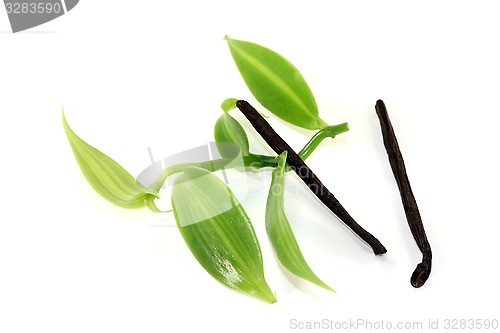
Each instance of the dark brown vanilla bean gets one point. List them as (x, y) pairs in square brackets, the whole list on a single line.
[(306, 174), (421, 273)]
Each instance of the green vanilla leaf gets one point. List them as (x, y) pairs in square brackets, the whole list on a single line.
[(107, 177), (229, 104), (218, 232), (228, 129), (279, 231), (276, 83)]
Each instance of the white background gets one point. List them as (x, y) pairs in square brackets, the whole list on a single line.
[(133, 75)]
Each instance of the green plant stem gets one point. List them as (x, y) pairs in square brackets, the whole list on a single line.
[(255, 161), (251, 162), (327, 132)]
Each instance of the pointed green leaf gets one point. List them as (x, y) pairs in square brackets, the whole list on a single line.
[(276, 83), (228, 129), (218, 232), (107, 177), (279, 231)]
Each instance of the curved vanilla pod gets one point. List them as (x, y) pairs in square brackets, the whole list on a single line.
[(423, 270)]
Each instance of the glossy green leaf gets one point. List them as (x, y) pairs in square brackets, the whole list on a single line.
[(218, 232), (228, 129), (279, 231), (107, 177), (276, 83)]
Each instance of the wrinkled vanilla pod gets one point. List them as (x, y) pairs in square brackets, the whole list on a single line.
[(421, 273), (306, 174)]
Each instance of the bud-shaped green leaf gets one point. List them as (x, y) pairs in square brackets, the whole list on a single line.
[(228, 129), (218, 232), (107, 177), (279, 231), (276, 83), (229, 104)]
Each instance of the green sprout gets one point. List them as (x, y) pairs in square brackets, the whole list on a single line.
[(211, 220)]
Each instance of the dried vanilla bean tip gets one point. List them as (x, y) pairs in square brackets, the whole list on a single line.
[(306, 174), (423, 270)]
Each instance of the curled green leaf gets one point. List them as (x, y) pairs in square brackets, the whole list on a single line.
[(107, 177), (279, 231), (218, 232), (229, 104), (276, 83), (228, 129)]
